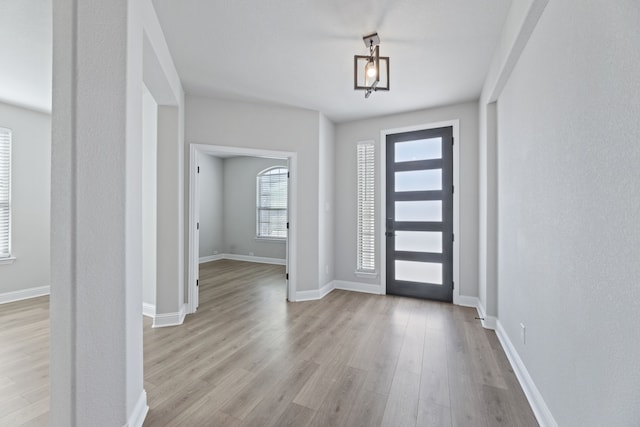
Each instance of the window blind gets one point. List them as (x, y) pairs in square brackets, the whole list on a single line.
[(366, 259), (5, 207), (272, 203)]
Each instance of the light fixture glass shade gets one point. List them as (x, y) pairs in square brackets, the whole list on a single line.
[(371, 72)]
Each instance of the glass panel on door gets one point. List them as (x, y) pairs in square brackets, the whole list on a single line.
[(419, 180), (419, 272), (421, 149), (419, 241), (423, 210)]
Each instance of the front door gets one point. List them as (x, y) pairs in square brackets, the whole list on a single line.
[(419, 214)]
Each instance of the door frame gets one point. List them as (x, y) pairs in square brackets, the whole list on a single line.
[(197, 149), (382, 199)]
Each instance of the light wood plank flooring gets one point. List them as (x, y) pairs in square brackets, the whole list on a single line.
[(24, 363), (249, 358)]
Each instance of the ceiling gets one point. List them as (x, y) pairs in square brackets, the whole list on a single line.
[(25, 52), (288, 52), (300, 52)]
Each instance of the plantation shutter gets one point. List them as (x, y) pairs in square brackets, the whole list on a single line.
[(272, 203), (366, 261), (5, 208)]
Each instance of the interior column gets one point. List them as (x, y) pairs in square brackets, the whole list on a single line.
[(96, 290)]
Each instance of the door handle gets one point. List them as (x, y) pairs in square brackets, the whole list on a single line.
[(389, 234)]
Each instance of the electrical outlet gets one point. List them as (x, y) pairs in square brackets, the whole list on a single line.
[(215, 252), (523, 333), (250, 253)]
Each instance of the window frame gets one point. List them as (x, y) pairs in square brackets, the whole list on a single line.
[(366, 265), (6, 139), (269, 172)]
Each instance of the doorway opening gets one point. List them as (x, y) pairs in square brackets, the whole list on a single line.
[(260, 227)]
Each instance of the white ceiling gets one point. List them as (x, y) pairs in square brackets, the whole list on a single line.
[(300, 52), (288, 52), (25, 53)]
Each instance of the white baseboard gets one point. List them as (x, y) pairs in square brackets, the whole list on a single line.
[(538, 405), (307, 296), (210, 258), (248, 258), (169, 319), (357, 287), (315, 294), (337, 284), (259, 259), (465, 301), (23, 294), (488, 322), (139, 413), (148, 310), (326, 289)]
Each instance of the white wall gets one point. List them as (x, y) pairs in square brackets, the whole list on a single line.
[(326, 202), (211, 187), (488, 213), (169, 291), (149, 196), (521, 20), (241, 124), (569, 204), (30, 200), (240, 208), (162, 79), (347, 137)]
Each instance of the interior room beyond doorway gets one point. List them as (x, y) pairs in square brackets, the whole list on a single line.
[(231, 217), (242, 205)]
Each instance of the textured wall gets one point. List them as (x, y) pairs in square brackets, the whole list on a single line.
[(30, 199), (569, 204), (96, 252), (149, 196), (211, 187), (326, 194)]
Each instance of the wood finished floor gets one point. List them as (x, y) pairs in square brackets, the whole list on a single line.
[(24, 363), (249, 358)]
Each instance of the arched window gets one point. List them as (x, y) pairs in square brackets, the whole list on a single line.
[(271, 218)]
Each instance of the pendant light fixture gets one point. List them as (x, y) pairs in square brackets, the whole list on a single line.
[(371, 72)]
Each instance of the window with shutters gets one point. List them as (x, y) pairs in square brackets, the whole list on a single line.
[(5, 193), (366, 260), (271, 218)]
